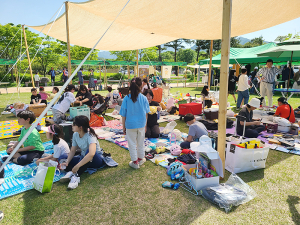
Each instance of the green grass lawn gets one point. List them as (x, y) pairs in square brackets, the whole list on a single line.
[(123, 195)]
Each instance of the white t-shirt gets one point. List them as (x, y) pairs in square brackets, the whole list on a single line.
[(144, 87), (110, 94), (243, 83), (64, 102), (84, 142), (61, 148), (36, 77)]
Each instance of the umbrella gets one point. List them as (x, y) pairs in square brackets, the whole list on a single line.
[(287, 48)]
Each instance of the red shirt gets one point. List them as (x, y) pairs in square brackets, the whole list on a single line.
[(284, 112)]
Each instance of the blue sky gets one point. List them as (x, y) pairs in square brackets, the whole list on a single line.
[(38, 12)]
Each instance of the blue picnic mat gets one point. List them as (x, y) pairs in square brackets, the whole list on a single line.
[(20, 178)]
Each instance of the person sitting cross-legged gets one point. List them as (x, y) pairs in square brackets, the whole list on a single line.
[(252, 127), (196, 130)]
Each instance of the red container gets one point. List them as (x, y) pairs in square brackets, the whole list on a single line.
[(193, 108)]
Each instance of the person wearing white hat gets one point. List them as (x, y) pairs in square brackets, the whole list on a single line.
[(243, 92), (253, 127)]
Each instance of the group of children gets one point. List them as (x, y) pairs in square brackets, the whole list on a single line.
[(84, 138), (42, 96)]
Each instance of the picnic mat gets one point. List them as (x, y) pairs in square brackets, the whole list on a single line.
[(19, 179), (160, 120), (279, 148), (7, 128)]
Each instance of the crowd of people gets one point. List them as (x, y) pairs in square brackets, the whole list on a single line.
[(265, 80)]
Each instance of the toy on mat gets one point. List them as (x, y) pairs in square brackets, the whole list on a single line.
[(175, 150), (188, 95), (172, 138), (177, 133), (187, 151), (160, 149), (168, 184), (175, 170)]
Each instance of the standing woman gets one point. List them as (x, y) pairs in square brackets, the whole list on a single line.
[(134, 112), (86, 139), (145, 85), (232, 79), (91, 79)]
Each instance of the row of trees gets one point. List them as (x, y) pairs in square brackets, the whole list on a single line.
[(48, 52), (45, 52)]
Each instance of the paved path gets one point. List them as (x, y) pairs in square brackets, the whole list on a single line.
[(114, 86)]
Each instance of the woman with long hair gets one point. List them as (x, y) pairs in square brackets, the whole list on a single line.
[(134, 112), (85, 138)]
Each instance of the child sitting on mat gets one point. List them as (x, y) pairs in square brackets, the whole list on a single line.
[(60, 146), (43, 95), (196, 130), (63, 105), (51, 96), (35, 97), (33, 146)]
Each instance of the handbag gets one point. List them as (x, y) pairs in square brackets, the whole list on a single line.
[(44, 177), (239, 159), (96, 121)]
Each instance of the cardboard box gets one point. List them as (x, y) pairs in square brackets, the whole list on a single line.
[(37, 109)]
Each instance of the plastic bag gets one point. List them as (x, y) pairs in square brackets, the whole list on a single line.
[(232, 193)]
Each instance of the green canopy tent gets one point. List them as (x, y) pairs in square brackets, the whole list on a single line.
[(249, 55), (5, 62)]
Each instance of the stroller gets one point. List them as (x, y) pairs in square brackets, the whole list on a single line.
[(102, 109)]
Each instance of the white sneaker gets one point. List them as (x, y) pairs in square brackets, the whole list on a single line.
[(133, 165), (67, 177), (142, 161), (74, 182)]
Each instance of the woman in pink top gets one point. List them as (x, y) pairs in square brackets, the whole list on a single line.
[(43, 95)]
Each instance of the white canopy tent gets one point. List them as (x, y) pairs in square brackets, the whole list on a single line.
[(146, 23)]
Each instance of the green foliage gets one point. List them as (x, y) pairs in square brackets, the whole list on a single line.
[(147, 54), (167, 56), (124, 55), (186, 55), (254, 42)]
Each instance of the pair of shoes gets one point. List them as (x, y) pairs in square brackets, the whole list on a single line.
[(141, 161), (73, 178), (67, 177), (134, 165), (16, 133), (4, 158)]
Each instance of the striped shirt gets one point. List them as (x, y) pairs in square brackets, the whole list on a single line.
[(268, 75)]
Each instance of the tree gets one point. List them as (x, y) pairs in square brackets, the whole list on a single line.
[(187, 55), (160, 48), (167, 56), (254, 42), (124, 55), (78, 53), (49, 53), (12, 51), (201, 45), (147, 54), (176, 45)]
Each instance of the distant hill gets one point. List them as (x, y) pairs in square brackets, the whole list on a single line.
[(106, 55), (243, 40)]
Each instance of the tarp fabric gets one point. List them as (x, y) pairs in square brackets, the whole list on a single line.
[(145, 23)]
